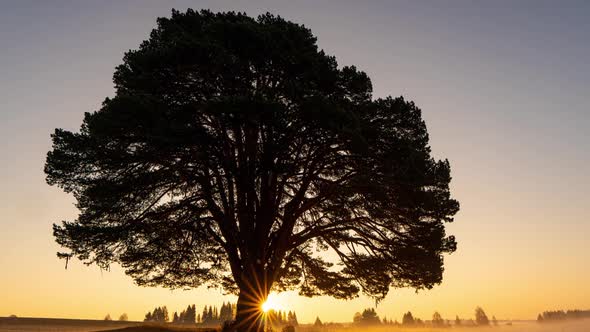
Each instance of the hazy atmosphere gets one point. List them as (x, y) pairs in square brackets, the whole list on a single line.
[(503, 90)]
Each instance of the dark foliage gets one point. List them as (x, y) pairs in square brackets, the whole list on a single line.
[(480, 317), (234, 150), (437, 320), (212, 316), (408, 319), (318, 322), (562, 315), (187, 316), (367, 317), (160, 315)]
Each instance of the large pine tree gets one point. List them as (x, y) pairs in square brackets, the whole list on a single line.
[(234, 150)]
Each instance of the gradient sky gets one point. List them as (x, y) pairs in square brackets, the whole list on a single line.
[(504, 90)]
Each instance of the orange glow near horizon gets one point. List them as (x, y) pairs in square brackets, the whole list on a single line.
[(271, 303)]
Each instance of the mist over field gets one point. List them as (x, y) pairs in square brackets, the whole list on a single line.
[(50, 325), (65, 325), (522, 326)]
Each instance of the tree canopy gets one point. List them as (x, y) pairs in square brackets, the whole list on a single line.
[(235, 151)]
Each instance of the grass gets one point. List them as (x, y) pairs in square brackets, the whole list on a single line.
[(160, 328), (77, 325)]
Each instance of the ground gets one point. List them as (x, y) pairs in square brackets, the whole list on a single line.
[(75, 325), (160, 328), (8, 324)]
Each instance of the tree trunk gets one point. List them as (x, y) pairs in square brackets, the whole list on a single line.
[(253, 293), (249, 314)]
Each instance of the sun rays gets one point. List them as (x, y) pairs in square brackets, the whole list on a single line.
[(271, 303), (258, 305), (253, 303)]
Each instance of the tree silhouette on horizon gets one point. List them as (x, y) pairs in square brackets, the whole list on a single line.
[(437, 320), (318, 322), (367, 317), (480, 317), (408, 319), (233, 151)]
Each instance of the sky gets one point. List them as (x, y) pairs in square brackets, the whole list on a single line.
[(503, 86)]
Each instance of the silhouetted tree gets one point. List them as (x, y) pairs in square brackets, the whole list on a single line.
[(577, 314), (165, 316), (318, 322), (205, 316), (494, 321), (191, 315), (210, 316), (357, 318), (160, 314), (231, 148), (225, 312), (540, 318), (408, 319), (457, 320), (124, 317), (368, 317), (437, 320), (561, 315), (292, 319), (418, 322), (157, 315), (108, 317), (480, 317), (186, 315)]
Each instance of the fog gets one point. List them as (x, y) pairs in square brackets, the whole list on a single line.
[(519, 326)]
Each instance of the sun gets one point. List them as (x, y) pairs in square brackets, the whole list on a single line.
[(271, 303)]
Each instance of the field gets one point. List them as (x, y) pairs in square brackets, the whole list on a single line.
[(66, 325), (73, 325), (523, 326), (81, 325)]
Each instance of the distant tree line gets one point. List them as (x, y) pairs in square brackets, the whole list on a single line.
[(160, 315), (212, 315), (282, 318), (367, 317), (562, 315), (370, 317), (187, 316)]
